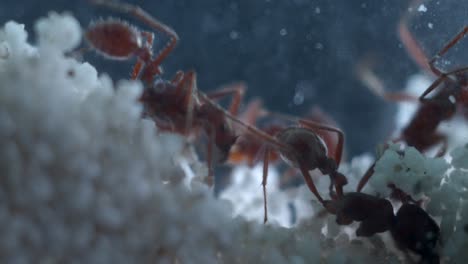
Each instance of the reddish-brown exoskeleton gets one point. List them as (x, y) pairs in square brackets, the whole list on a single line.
[(247, 147), (175, 105), (452, 90), (301, 148)]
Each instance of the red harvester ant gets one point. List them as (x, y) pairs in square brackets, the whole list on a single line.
[(301, 148), (178, 106), (175, 105), (421, 132)]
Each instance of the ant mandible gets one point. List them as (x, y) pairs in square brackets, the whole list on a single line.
[(175, 105)]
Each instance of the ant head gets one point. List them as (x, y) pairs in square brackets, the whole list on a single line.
[(328, 165)]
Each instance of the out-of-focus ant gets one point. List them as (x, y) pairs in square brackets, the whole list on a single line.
[(451, 89), (175, 105)]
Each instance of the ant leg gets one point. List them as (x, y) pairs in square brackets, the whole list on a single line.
[(237, 91), (272, 141), (444, 49), (436, 83), (310, 183), (177, 77), (376, 86), (209, 157), (432, 87), (366, 177), (138, 67), (152, 68), (412, 46), (188, 88), (264, 182), (252, 112)]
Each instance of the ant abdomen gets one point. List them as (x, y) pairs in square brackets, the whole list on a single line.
[(375, 214), (307, 147), (415, 230)]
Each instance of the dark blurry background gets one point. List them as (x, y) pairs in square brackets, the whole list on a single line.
[(294, 54)]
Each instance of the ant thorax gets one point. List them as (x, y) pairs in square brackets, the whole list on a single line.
[(306, 148), (162, 104)]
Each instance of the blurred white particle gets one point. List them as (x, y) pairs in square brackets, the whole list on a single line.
[(298, 98), (283, 32), (363, 5), (317, 10), (318, 46), (422, 8), (304, 89), (452, 99), (234, 34), (430, 25)]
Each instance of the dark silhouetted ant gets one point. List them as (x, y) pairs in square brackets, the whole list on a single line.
[(411, 228), (175, 105)]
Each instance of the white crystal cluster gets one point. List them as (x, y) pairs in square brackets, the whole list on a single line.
[(83, 179)]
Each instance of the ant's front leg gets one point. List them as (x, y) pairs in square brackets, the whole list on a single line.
[(236, 90), (444, 50), (264, 182)]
